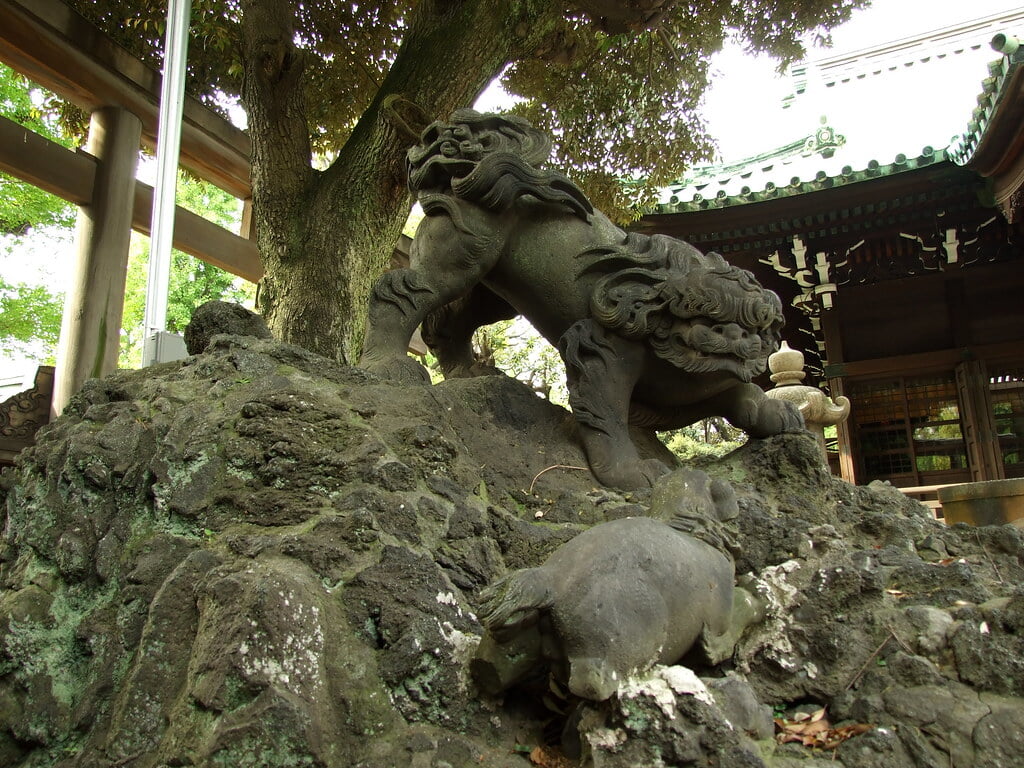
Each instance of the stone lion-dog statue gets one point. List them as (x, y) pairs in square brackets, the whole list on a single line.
[(653, 333)]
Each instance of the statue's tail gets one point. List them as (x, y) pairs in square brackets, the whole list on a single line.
[(514, 602)]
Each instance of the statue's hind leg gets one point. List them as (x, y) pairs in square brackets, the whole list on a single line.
[(448, 330), (601, 371)]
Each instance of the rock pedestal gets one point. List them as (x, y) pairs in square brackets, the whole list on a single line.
[(256, 557)]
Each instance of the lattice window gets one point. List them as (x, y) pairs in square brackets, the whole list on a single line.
[(907, 430)]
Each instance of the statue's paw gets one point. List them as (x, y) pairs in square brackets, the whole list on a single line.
[(631, 475), (402, 370), (767, 418), (787, 416)]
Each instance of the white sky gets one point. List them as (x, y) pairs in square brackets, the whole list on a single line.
[(881, 116)]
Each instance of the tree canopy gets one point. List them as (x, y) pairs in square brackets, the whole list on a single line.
[(617, 83), (620, 91)]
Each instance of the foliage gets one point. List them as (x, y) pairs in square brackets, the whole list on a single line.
[(516, 348), (22, 206), (622, 95), (709, 438), (29, 321), (192, 282)]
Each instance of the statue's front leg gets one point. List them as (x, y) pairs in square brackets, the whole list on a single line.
[(746, 406), (451, 253), (601, 371), (400, 300)]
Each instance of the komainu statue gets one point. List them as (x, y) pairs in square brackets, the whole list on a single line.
[(653, 332)]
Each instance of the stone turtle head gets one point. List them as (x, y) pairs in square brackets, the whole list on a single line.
[(696, 504)]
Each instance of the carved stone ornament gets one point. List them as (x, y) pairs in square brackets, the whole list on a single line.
[(652, 331), (22, 414), (818, 409)]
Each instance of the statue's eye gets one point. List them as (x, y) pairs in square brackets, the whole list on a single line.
[(471, 150), (461, 132)]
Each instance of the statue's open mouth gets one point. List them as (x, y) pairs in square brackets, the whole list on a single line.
[(437, 172)]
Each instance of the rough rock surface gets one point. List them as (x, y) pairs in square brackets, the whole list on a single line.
[(216, 317), (254, 557)]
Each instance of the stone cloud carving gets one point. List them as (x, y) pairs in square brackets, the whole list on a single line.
[(653, 332)]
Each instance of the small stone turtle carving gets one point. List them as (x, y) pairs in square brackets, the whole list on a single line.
[(618, 598), (653, 332)]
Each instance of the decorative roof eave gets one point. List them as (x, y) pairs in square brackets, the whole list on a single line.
[(902, 201), (993, 145), (797, 186)]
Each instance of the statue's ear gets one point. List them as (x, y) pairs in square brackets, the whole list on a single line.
[(534, 145), (724, 498)]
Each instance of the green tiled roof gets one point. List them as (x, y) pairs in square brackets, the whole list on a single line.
[(1000, 72), (770, 175), (722, 192)]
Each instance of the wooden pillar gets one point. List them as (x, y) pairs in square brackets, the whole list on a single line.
[(836, 356), (844, 439), (976, 422), (91, 325)]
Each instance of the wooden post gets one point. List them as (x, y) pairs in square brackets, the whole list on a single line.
[(976, 422), (91, 326), (831, 330)]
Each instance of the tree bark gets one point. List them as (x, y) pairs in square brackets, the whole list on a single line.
[(326, 236)]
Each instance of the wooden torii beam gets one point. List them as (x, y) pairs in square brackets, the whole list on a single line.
[(55, 47), (71, 176)]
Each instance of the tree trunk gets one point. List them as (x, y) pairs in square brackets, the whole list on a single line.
[(325, 237)]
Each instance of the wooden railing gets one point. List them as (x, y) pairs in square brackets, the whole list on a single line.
[(928, 495)]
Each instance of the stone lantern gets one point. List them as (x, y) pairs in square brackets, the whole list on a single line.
[(819, 410)]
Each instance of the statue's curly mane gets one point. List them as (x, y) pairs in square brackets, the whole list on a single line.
[(694, 310), (490, 160)]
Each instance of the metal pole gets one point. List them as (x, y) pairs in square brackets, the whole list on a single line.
[(172, 100)]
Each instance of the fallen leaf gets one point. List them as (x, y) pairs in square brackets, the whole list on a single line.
[(814, 730), (807, 731), (838, 735), (551, 757), (814, 716)]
